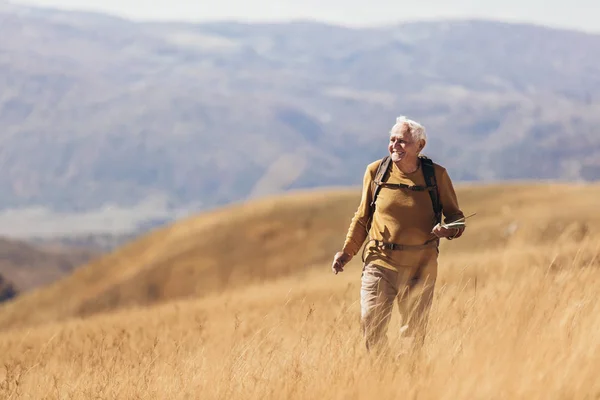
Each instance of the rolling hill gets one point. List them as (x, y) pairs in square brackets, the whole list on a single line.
[(7, 289), (515, 313), (111, 111), (30, 266), (292, 235)]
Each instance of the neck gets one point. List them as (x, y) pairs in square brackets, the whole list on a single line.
[(408, 166)]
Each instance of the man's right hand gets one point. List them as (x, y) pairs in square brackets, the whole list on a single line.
[(339, 261)]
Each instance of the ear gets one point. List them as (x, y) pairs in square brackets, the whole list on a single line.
[(421, 144)]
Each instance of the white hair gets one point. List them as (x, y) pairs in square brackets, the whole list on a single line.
[(416, 129)]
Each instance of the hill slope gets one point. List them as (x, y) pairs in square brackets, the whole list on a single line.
[(521, 321), (30, 266), (7, 289), (288, 236), (112, 111)]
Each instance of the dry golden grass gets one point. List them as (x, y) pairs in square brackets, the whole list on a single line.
[(281, 236), (229, 248), (519, 319), (513, 324)]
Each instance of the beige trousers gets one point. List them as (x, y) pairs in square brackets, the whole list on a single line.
[(411, 287)]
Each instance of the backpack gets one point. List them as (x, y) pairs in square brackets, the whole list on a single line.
[(430, 181)]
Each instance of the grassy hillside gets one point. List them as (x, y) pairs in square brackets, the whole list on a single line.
[(7, 289), (31, 266), (270, 238), (514, 315)]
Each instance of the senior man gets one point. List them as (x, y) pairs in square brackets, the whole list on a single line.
[(400, 213)]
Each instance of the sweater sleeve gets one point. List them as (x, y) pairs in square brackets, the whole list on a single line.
[(357, 232), (450, 207)]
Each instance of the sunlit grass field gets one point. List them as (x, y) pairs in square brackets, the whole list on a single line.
[(515, 315)]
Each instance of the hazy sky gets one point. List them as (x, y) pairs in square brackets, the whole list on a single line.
[(576, 14)]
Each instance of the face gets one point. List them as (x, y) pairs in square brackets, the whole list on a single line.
[(402, 146)]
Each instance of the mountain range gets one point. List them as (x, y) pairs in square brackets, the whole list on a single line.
[(98, 110)]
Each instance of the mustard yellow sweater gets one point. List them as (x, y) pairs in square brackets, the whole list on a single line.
[(401, 216)]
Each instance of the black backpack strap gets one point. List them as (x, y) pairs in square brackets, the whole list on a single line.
[(415, 188), (382, 169), (430, 181)]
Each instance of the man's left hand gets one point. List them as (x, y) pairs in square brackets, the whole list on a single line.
[(442, 232)]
